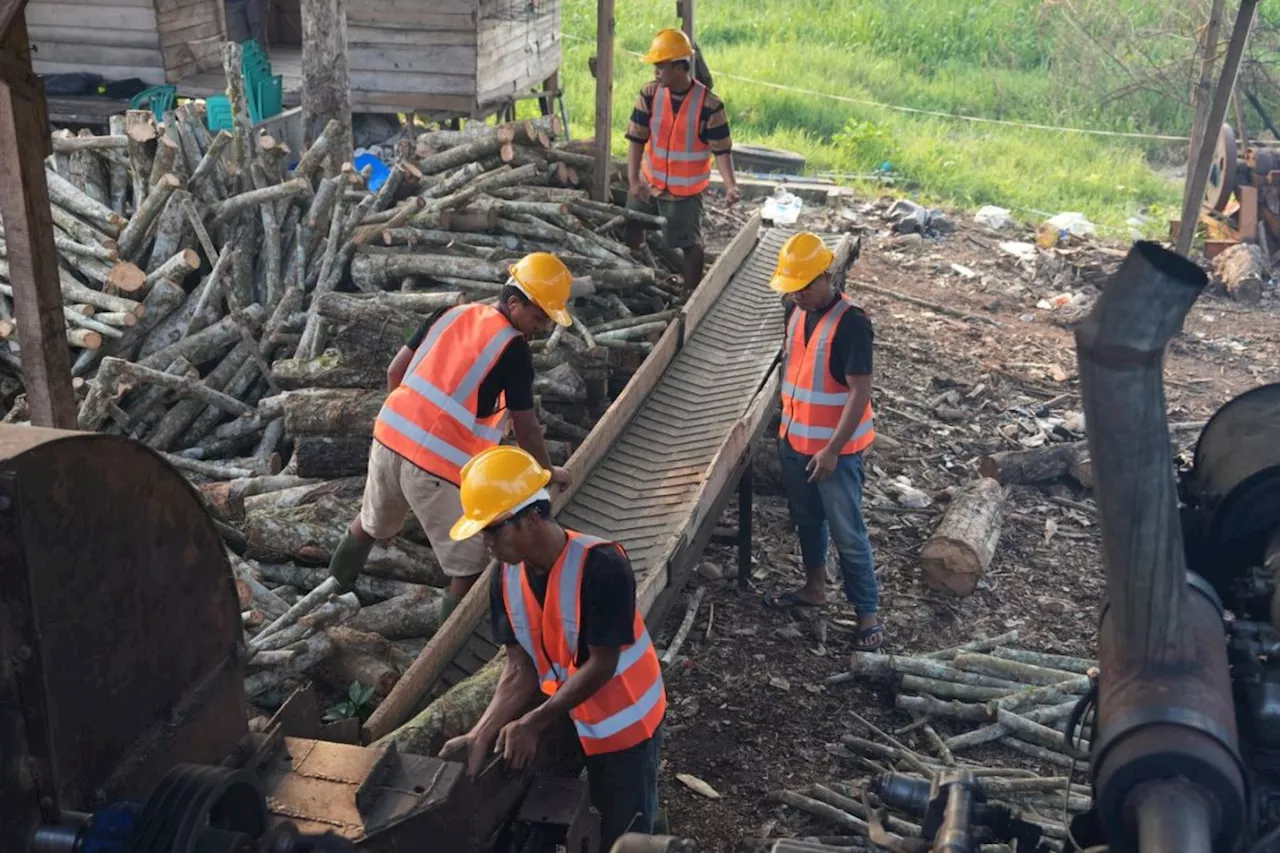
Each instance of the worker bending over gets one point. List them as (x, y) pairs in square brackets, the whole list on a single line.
[(827, 423), (453, 388), (564, 605), (676, 127)]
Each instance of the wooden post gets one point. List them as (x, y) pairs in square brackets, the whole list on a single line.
[(1203, 92), (685, 9), (551, 85), (326, 84), (604, 99), (24, 203), (1198, 176)]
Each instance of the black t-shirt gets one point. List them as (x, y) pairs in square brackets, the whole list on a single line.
[(607, 608), (851, 347), (512, 373)]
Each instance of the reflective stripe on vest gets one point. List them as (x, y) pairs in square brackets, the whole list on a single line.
[(812, 400), (676, 160), (432, 418), (629, 707)]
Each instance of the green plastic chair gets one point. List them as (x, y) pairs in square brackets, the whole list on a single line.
[(158, 98)]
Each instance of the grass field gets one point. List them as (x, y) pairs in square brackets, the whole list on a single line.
[(1014, 60)]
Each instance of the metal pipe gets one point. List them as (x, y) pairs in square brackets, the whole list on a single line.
[(56, 839), (1173, 815)]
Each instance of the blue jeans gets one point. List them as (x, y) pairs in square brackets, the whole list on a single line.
[(832, 506)]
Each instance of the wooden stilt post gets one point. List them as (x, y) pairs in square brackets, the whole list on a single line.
[(24, 203), (1198, 172), (604, 99), (686, 9)]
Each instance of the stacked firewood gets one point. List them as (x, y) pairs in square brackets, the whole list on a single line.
[(992, 694), (234, 305)]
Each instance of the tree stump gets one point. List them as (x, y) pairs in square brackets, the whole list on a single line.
[(1021, 467), (1242, 269)]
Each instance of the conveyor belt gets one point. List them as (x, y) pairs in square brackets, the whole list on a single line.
[(660, 462)]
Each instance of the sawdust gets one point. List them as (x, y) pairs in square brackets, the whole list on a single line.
[(749, 711)]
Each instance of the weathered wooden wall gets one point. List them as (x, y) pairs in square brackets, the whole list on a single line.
[(191, 36), (118, 39), (412, 55), (518, 47)]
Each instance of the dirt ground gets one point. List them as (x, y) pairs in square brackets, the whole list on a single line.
[(749, 710)]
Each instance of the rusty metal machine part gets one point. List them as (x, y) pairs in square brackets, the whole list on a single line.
[(1223, 171), (119, 627), (1165, 705)]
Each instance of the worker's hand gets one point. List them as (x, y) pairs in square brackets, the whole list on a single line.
[(471, 748), (518, 742), (639, 188), (561, 477), (732, 195), (822, 465)]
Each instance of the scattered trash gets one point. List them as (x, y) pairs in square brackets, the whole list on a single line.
[(907, 217), (997, 218), (963, 271), (1021, 251), (906, 494), (1061, 228), (782, 208), (693, 783)]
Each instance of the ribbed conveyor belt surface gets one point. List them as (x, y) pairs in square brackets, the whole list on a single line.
[(641, 493), (647, 486)]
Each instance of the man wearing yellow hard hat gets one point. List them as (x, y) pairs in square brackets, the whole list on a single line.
[(677, 127), (454, 386), (564, 606), (827, 423)]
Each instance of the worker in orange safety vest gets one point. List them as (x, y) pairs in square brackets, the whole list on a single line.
[(564, 605), (455, 387), (827, 423), (677, 128)]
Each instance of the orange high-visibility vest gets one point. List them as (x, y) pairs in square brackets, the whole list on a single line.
[(432, 418), (676, 160), (628, 709), (812, 400)]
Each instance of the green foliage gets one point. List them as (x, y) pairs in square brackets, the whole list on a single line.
[(358, 704), (1106, 64)]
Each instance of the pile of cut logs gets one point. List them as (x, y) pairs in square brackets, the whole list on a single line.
[(234, 305), (998, 695)]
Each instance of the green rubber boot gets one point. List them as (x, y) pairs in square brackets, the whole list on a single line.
[(448, 603), (348, 560)]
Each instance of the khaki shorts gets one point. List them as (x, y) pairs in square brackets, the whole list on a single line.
[(394, 486), (684, 218)]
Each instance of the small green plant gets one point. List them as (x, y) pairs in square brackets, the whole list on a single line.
[(358, 704), (867, 142)]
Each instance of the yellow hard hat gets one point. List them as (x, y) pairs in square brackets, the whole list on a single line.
[(668, 45), (803, 258), (547, 282), (496, 482)]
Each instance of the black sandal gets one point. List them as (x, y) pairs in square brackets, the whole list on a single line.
[(861, 640), (791, 598)]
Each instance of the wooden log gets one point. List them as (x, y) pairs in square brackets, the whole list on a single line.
[(80, 231), (69, 246), (72, 144), (1242, 269), (140, 128), (176, 268), (208, 469), (1045, 756), (1024, 673), (1045, 694), (225, 211), (414, 614), (331, 456), (327, 102), (995, 731), (453, 714), (829, 813), (132, 238), (347, 488), (63, 193), (170, 232), (459, 155), (206, 344), (204, 180), (1034, 733), (310, 653), (117, 166), (465, 220), (961, 547), (951, 690), (982, 644), (312, 531), (1065, 663), (83, 338), (325, 411), (1021, 467), (336, 611), (929, 706), (355, 660), (873, 664), (454, 181), (372, 272)]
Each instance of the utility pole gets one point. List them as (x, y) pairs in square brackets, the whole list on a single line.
[(326, 82), (604, 99)]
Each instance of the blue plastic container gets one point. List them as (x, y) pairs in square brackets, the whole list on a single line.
[(380, 170)]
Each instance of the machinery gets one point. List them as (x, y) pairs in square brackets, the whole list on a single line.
[(956, 815), (123, 720), (1242, 196)]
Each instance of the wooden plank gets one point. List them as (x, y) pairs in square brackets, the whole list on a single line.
[(364, 37), (211, 28), (597, 443), (95, 16), (417, 16), (170, 21), (604, 100), (86, 53), (42, 37), (380, 102), (713, 283), (33, 266), (718, 474), (412, 84), (440, 59)]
